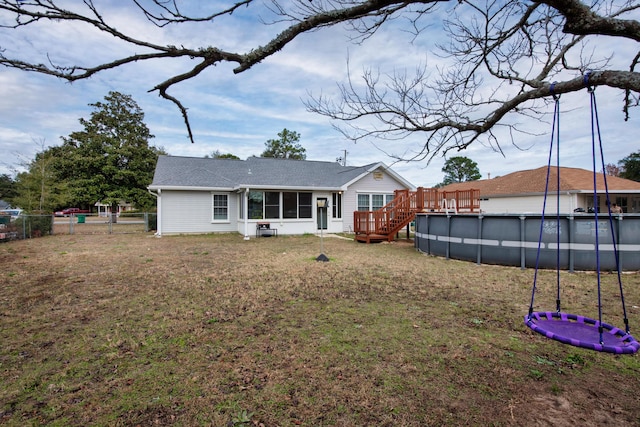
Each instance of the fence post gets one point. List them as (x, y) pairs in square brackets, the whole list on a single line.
[(479, 253), (618, 236), (448, 235), (571, 238), (523, 261)]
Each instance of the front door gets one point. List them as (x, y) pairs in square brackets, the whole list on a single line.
[(322, 213)]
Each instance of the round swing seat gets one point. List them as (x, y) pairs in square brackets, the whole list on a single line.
[(581, 331)]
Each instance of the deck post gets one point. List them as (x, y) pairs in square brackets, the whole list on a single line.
[(420, 199)]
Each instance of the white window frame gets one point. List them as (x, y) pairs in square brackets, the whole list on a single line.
[(214, 207), (386, 199), (337, 205)]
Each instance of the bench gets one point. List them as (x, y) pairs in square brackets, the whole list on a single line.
[(263, 229)]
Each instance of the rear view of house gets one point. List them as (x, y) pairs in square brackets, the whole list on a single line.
[(203, 195)]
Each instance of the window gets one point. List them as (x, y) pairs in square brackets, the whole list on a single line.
[(255, 205), (337, 205), (220, 207), (373, 202), (304, 205), (271, 205), (377, 201), (289, 205), (266, 205), (363, 202)]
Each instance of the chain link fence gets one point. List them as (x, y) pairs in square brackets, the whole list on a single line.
[(33, 226)]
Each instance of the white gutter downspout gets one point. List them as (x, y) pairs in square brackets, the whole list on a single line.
[(246, 214), (159, 199)]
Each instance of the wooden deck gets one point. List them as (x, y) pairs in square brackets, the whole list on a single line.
[(386, 222), (371, 238)]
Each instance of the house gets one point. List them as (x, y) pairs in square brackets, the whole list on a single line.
[(105, 209), (523, 191), (204, 195)]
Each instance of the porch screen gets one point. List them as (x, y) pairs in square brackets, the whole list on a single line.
[(266, 205), (304, 207), (271, 205), (289, 205), (255, 205), (296, 205)]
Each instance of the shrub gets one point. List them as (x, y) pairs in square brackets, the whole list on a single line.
[(29, 226)]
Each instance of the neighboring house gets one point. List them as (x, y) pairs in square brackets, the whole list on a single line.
[(105, 209), (4, 205), (523, 191), (204, 195)]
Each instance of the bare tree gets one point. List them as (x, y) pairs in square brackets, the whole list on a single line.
[(612, 170), (507, 56)]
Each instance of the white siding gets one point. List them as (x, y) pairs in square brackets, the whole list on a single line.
[(528, 204), (192, 212), (367, 185), (184, 212)]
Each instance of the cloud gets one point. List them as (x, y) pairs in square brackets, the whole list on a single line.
[(238, 113)]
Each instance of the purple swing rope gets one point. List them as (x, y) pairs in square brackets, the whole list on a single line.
[(616, 254), (596, 209), (573, 329), (556, 120)]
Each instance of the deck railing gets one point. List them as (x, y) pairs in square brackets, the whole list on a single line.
[(391, 218)]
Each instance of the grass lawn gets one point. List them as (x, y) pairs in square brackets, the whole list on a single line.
[(134, 330)]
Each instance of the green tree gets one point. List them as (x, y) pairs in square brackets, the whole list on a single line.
[(630, 166), (287, 147), (7, 188), (460, 169), (218, 155), (39, 189), (110, 161)]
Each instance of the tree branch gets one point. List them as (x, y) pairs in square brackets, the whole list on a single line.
[(581, 20), (502, 43)]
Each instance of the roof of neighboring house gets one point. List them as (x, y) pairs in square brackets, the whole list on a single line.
[(258, 172), (533, 181)]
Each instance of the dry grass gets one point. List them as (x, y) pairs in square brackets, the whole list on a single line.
[(99, 225), (214, 330)]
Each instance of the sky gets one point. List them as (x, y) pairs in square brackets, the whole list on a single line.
[(238, 113)]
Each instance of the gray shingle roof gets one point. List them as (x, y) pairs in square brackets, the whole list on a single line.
[(256, 172)]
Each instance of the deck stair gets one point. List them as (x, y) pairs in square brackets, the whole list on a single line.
[(386, 222)]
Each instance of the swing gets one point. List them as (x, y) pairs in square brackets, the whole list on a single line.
[(576, 330)]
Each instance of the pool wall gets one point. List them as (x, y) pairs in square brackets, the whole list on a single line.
[(512, 239)]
